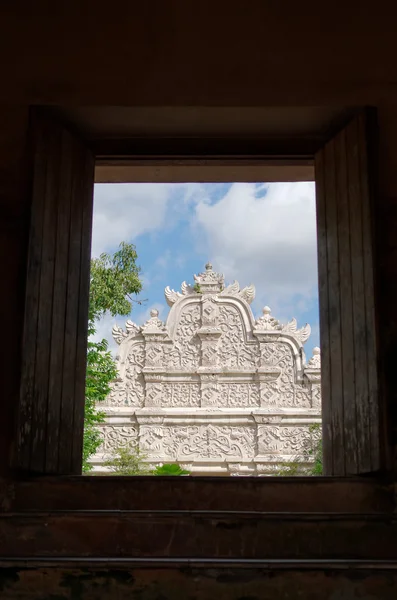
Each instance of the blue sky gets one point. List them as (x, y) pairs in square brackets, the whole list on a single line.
[(257, 233)]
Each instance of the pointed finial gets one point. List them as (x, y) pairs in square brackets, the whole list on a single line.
[(266, 310), (154, 313), (208, 266), (316, 351)]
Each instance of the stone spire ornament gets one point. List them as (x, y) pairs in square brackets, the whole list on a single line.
[(209, 281)]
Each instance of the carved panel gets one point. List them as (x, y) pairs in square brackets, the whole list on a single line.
[(268, 439), (185, 351), (316, 396), (227, 442), (294, 439), (180, 394), (200, 442), (238, 395), (154, 394), (235, 352), (114, 436), (151, 440), (129, 390)]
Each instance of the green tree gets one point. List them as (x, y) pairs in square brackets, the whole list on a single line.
[(128, 460), (113, 280)]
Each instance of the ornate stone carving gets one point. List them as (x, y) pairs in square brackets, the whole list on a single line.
[(131, 329), (302, 335), (154, 325), (247, 293), (209, 281), (114, 436), (172, 296), (238, 395), (205, 442), (212, 385), (266, 322), (315, 361), (312, 374), (181, 394), (235, 351), (268, 439), (184, 354)]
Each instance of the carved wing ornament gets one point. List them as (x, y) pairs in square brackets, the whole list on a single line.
[(171, 296), (302, 334), (231, 290), (186, 289), (119, 335), (132, 328), (248, 293)]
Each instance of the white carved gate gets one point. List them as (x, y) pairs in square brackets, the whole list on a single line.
[(212, 388)]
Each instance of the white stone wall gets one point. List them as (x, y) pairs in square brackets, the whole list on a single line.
[(212, 388)]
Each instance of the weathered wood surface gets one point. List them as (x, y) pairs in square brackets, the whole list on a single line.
[(51, 410), (351, 426), (198, 534), (190, 493), (186, 581)]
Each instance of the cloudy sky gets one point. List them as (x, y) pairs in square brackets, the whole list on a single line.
[(257, 233)]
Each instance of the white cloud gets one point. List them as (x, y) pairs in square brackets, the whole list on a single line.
[(124, 211), (268, 240)]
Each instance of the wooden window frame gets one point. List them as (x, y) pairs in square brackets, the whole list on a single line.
[(129, 160)]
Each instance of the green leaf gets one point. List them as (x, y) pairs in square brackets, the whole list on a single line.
[(113, 279), (171, 469)]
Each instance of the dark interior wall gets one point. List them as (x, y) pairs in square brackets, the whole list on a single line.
[(197, 53), (170, 53), (14, 222), (386, 263)]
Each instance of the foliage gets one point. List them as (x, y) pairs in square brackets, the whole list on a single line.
[(101, 370), (171, 469), (289, 469), (197, 288), (113, 278), (316, 451), (128, 460)]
